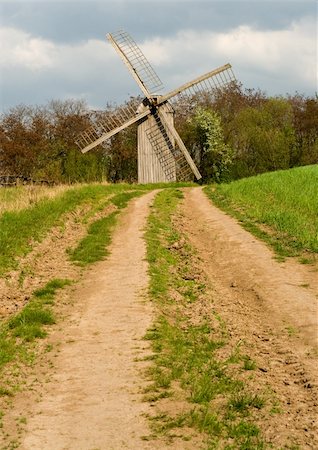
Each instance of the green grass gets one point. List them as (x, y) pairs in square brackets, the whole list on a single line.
[(279, 207), (186, 347), (30, 323), (19, 334), (93, 247)]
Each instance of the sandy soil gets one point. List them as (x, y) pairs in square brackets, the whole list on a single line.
[(93, 399)]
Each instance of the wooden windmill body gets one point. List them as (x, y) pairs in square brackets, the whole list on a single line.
[(150, 161), (162, 155)]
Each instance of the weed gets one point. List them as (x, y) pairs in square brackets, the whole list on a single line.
[(248, 363), (7, 348), (22, 420), (291, 331), (276, 408), (244, 401), (306, 260), (5, 392), (48, 291), (32, 315), (93, 247), (29, 324)]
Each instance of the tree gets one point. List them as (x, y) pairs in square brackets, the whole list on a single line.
[(39, 142), (263, 138), (214, 156), (305, 122)]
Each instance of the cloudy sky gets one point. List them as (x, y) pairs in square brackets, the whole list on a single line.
[(58, 50)]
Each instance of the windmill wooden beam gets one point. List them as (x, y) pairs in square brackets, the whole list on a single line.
[(162, 155)]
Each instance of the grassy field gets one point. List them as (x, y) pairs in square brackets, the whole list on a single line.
[(21, 228), (280, 207), (21, 197)]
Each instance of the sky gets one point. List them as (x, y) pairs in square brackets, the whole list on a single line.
[(58, 49)]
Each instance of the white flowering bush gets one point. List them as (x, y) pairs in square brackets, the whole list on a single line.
[(215, 157)]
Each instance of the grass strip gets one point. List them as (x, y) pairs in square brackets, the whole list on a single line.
[(186, 346), (93, 247), (279, 207), (30, 323)]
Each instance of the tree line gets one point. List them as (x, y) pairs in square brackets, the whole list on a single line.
[(232, 133)]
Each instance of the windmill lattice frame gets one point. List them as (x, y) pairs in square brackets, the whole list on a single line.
[(162, 155)]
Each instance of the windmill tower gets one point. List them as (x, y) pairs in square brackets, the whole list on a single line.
[(162, 155)]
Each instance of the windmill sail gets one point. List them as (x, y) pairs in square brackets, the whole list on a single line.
[(108, 126), (136, 62), (206, 83), (180, 145), (172, 159)]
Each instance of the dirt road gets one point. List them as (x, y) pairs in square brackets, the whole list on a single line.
[(285, 293), (270, 307), (94, 399)]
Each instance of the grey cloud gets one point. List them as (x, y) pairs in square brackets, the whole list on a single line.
[(75, 21)]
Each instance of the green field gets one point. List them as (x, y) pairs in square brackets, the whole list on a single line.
[(280, 207)]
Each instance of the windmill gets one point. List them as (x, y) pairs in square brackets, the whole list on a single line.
[(162, 155)]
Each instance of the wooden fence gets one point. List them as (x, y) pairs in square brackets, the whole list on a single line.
[(16, 180)]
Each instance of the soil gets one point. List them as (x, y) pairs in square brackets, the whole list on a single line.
[(92, 396)]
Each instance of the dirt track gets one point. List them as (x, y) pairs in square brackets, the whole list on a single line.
[(94, 400), (269, 307)]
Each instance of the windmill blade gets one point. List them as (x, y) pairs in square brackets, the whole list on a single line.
[(163, 146), (208, 82), (170, 149), (185, 159), (101, 130), (137, 63)]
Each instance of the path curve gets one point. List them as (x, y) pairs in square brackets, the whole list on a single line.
[(93, 400), (287, 292)]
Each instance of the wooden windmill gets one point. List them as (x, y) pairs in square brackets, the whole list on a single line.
[(162, 155)]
